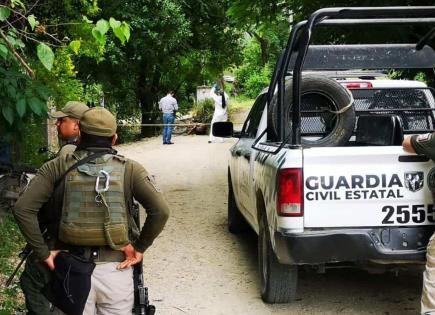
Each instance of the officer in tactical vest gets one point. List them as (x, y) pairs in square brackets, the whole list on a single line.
[(35, 274), (425, 144), (92, 216)]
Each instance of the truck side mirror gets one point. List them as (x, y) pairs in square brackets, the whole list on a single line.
[(223, 129)]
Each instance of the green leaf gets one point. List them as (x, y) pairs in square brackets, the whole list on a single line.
[(102, 26), (120, 34), (12, 92), (114, 23), (45, 55), (8, 114), (85, 19), (17, 2), (125, 28), (11, 40), (36, 105), (3, 51), (4, 14), (21, 106), (32, 21), (98, 36), (42, 92), (19, 43), (75, 46)]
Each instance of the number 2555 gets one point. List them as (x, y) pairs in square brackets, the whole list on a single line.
[(406, 213)]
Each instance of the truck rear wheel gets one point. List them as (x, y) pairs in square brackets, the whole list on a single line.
[(236, 222), (278, 281), (326, 116)]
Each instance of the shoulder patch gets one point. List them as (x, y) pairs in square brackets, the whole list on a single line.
[(151, 179), (424, 138)]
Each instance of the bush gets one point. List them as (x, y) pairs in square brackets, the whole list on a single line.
[(11, 299), (257, 82), (203, 111), (128, 130)]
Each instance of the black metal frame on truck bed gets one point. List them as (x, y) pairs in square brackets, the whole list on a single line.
[(300, 55)]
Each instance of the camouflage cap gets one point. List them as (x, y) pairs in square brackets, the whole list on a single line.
[(71, 109), (98, 121)]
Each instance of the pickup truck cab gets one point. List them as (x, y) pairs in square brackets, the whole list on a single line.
[(319, 171)]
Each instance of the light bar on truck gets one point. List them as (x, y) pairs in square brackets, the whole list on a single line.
[(356, 85), (290, 193)]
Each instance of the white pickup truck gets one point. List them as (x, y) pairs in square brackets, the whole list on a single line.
[(319, 172)]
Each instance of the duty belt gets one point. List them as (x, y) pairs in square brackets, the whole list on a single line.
[(98, 254)]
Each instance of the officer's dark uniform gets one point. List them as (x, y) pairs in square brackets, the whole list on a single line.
[(138, 184), (35, 274)]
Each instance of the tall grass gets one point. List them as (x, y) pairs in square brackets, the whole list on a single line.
[(11, 241)]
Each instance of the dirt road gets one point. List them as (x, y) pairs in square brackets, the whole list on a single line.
[(197, 267)]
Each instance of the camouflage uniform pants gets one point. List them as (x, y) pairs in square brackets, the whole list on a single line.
[(428, 295), (34, 277)]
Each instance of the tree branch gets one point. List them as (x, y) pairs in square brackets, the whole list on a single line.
[(17, 55)]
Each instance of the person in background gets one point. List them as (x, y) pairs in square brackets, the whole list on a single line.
[(220, 99), (168, 105), (425, 144)]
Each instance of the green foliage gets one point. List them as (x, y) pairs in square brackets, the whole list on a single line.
[(257, 82), (12, 241), (31, 140), (21, 97), (128, 134), (251, 76), (45, 55), (176, 45), (241, 102), (4, 13), (203, 111), (421, 76), (61, 81), (26, 65)]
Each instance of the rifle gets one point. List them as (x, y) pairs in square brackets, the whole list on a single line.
[(24, 254), (141, 302)]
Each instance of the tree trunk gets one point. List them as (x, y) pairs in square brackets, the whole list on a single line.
[(147, 96), (264, 46), (149, 114)]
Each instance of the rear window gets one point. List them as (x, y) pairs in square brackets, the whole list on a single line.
[(413, 105)]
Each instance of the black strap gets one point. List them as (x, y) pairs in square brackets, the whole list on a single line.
[(224, 101), (83, 161)]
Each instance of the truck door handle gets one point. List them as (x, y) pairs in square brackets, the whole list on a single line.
[(413, 158)]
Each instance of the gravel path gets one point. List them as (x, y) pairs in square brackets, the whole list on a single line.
[(197, 267)]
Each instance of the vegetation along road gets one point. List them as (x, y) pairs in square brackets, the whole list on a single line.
[(197, 267)]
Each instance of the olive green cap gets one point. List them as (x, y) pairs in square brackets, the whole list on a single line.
[(98, 121), (71, 109)]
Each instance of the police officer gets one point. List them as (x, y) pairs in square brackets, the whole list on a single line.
[(425, 144), (67, 123), (117, 180), (35, 274)]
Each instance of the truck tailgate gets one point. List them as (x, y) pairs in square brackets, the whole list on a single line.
[(366, 186)]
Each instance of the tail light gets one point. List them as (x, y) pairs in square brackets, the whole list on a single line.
[(357, 85), (290, 193)]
